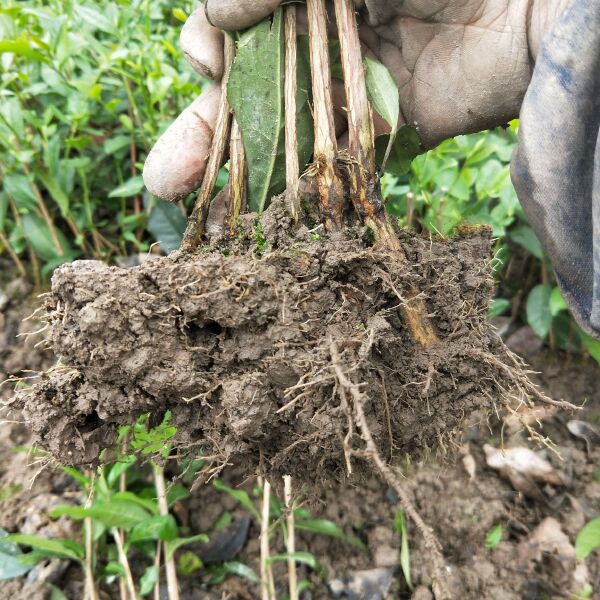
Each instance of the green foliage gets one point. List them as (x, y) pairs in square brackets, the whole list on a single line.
[(383, 92), (10, 563), (539, 314), (125, 507), (256, 94), (325, 527), (588, 539), (400, 525), (466, 181), (396, 152), (86, 88), (47, 548), (494, 536)]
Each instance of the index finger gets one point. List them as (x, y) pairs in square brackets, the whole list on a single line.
[(233, 15)]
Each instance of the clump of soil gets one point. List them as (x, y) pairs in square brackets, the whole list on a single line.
[(237, 342)]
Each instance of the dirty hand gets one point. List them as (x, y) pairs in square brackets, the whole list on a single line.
[(460, 65)]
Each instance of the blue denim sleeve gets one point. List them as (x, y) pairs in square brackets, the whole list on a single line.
[(556, 167)]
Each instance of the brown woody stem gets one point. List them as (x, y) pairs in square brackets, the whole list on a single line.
[(292, 168), (363, 181), (237, 177), (197, 220), (329, 184)]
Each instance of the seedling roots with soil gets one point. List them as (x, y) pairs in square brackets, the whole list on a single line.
[(313, 340)]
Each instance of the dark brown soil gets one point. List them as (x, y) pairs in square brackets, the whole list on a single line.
[(237, 343), (460, 508)]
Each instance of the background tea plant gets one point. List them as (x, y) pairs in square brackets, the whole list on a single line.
[(85, 90), (466, 180)]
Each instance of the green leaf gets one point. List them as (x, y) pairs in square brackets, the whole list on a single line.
[(39, 237), (557, 303), (132, 187), (175, 493), (494, 537), (95, 19), (187, 563), (114, 568), (405, 147), (588, 539), (327, 527), (10, 565), (172, 545), (148, 580), (149, 504), (306, 558), (241, 496), (50, 547), (258, 73), (117, 469), (179, 15), (592, 346), (160, 527), (117, 143), (56, 594), (58, 195), (525, 237), (167, 225), (18, 187), (22, 47), (241, 570), (539, 316), (83, 481), (400, 524), (383, 92), (117, 513)]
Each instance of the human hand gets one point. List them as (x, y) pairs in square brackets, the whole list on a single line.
[(460, 65)]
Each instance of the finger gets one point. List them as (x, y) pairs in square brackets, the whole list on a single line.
[(233, 15), (175, 166), (202, 45)]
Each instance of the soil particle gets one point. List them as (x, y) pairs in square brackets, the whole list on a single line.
[(236, 343)]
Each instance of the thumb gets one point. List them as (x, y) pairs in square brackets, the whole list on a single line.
[(233, 15)]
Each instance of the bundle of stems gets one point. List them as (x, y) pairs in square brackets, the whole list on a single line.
[(342, 177)]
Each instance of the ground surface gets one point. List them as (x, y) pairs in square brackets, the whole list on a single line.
[(462, 499)]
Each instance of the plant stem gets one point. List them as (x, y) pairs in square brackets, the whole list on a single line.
[(197, 219), (266, 575), (163, 507), (363, 183), (330, 186), (122, 488), (291, 537), (157, 567), (90, 586), (13, 255), (125, 564), (237, 177), (292, 168)]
